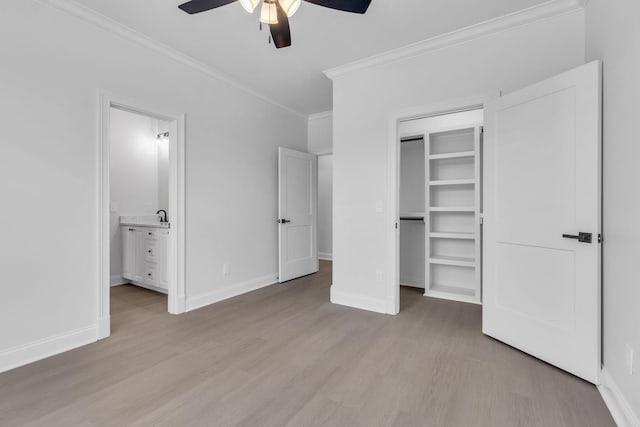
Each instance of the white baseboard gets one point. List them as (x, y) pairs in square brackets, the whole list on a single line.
[(104, 327), (620, 408), (325, 256), (180, 306), (47, 347), (117, 280), (199, 301), (358, 301)]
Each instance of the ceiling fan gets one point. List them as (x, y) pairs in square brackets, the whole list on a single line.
[(276, 13)]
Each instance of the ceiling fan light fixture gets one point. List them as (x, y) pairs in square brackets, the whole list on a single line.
[(269, 12), (290, 6), (249, 5)]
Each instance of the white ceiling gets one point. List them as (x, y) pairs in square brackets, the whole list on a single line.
[(227, 39)]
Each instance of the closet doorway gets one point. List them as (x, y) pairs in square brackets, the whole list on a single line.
[(439, 194)]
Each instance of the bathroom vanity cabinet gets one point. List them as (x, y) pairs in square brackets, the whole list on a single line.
[(145, 256)]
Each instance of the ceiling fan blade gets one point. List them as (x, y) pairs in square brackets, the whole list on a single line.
[(354, 6), (197, 6), (280, 32)]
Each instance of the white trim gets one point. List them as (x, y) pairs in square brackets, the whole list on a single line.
[(101, 21), (527, 16), (359, 301), (104, 327), (28, 353), (193, 303), (322, 153), (393, 182), (620, 408), (176, 299), (322, 115), (326, 256)]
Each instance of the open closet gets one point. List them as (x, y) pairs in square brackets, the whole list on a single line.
[(440, 205)]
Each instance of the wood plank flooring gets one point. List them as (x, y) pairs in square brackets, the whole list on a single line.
[(285, 356)]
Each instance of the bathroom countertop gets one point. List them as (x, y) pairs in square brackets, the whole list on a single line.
[(151, 221)]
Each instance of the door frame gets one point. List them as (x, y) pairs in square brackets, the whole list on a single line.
[(393, 183), (176, 291), (314, 200)]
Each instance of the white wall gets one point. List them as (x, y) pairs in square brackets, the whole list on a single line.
[(325, 206), (613, 35), (163, 169), (52, 65), (320, 133), (412, 199), (363, 103), (135, 175), (320, 141)]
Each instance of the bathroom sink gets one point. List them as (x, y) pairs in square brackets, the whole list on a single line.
[(144, 221)]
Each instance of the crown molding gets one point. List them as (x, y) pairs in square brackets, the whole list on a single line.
[(101, 21), (322, 115), (513, 20)]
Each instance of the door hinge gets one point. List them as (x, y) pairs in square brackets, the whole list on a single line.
[(599, 238), (396, 225)]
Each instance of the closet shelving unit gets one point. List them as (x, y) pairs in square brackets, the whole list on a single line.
[(452, 217)]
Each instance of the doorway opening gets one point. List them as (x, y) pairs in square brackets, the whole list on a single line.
[(438, 206), (325, 207), (142, 209)]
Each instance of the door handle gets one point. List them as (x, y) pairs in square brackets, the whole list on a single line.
[(283, 221), (581, 237)]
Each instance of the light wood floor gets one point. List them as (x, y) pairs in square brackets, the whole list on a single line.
[(285, 356)]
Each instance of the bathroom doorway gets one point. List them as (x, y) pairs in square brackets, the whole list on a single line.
[(142, 209)]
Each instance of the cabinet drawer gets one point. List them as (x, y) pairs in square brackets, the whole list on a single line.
[(150, 234), (151, 251), (150, 275)]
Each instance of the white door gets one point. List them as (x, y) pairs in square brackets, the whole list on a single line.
[(297, 213), (542, 180)]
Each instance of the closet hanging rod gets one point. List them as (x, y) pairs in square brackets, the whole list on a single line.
[(405, 218)]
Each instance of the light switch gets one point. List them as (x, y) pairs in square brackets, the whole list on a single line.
[(379, 206), (115, 206)]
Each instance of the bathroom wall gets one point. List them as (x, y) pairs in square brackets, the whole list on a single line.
[(163, 169), (138, 165)]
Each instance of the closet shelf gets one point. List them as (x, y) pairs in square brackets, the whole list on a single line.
[(452, 209), (450, 260), (453, 182), (452, 292), (458, 235), (454, 155)]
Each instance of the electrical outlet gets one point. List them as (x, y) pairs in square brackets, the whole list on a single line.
[(629, 359), (226, 269)]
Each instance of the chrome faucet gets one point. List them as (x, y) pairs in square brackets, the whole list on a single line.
[(162, 218)]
